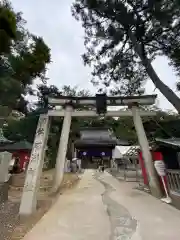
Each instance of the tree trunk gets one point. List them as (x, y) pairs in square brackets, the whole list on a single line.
[(163, 88)]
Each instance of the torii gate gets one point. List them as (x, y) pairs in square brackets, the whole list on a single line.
[(70, 104)]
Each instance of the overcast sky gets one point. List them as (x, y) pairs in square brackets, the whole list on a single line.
[(64, 35)]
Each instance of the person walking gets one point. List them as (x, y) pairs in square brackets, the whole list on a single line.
[(99, 168), (79, 164)]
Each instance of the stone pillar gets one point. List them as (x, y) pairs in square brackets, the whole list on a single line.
[(5, 158), (33, 174), (62, 150), (152, 176)]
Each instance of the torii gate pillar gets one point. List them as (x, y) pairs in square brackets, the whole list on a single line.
[(33, 174), (63, 143), (152, 176)]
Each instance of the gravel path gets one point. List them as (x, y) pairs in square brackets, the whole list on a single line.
[(8, 219), (9, 211)]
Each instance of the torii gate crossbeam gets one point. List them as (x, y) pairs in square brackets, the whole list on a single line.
[(120, 113)]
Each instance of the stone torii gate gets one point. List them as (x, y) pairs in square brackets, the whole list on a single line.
[(70, 104)]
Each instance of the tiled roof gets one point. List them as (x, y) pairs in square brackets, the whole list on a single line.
[(96, 136), (22, 145), (170, 141)]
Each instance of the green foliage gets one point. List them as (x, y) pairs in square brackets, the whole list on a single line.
[(22, 62), (21, 129), (7, 27), (123, 37), (31, 63), (53, 141)]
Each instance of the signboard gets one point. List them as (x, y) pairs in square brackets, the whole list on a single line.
[(160, 168)]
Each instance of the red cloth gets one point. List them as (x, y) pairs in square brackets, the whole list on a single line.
[(156, 156)]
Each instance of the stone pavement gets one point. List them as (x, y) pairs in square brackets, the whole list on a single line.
[(101, 207)]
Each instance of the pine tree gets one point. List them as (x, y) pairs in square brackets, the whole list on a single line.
[(123, 37)]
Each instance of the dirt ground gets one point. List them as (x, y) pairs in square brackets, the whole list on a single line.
[(12, 227)]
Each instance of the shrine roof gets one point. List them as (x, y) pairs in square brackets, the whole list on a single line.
[(22, 145), (96, 137)]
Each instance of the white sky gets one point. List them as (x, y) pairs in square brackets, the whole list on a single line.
[(64, 35)]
